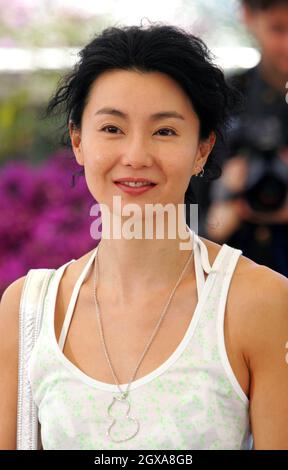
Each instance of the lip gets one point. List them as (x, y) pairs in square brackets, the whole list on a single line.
[(134, 191), (134, 180)]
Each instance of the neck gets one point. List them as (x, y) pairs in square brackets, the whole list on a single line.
[(135, 267), (273, 77)]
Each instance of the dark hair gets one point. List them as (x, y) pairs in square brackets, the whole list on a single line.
[(157, 47), (264, 4)]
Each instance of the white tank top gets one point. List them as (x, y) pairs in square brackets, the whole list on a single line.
[(191, 401)]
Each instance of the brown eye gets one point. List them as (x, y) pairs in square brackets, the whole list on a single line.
[(110, 127), (160, 130), (167, 130)]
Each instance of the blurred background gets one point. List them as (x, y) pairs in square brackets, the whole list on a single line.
[(44, 221)]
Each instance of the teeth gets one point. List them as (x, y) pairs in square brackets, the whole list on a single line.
[(134, 183)]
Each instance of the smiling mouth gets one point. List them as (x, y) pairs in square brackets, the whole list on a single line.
[(135, 189)]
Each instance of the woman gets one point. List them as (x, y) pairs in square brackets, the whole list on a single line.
[(148, 103)]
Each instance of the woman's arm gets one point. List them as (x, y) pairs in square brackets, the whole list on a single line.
[(266, 347), (9, 323)]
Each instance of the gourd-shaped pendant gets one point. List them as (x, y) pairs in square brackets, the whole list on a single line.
[(124, 402)]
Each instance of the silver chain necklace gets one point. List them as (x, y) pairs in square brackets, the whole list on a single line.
[(122, 398)]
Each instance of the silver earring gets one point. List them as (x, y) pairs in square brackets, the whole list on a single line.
[(201, 173)]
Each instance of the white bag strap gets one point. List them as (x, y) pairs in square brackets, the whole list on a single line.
[(30, 318)]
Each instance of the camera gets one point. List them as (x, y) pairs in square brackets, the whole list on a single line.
[(261, 140)]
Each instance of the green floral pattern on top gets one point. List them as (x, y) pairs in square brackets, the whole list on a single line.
[(194, 402)]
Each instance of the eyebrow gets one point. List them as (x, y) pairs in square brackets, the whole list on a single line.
[(153, 117)]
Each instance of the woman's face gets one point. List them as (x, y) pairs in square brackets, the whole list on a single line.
[(164, 149)]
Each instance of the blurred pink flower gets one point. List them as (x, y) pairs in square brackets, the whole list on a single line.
[(44, 221)]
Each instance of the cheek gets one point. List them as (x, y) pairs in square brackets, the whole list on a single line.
[(96, 152), (179, 170), (97, 161)]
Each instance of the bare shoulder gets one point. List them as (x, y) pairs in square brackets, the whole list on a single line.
[(9, 318), (257, 301), (264, 304), (9, 325), (9, 314), (256, 310), (15, 286), (10, 301), (255, 285)]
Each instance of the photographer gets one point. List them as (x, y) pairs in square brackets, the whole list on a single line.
[(250, 202)]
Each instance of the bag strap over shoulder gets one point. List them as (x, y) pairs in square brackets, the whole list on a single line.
[(30, 318)]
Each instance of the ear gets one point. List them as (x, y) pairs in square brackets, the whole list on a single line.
[(204, 149), (75, 136)]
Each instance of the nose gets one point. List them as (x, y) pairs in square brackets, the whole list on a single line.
[(137, 154)]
